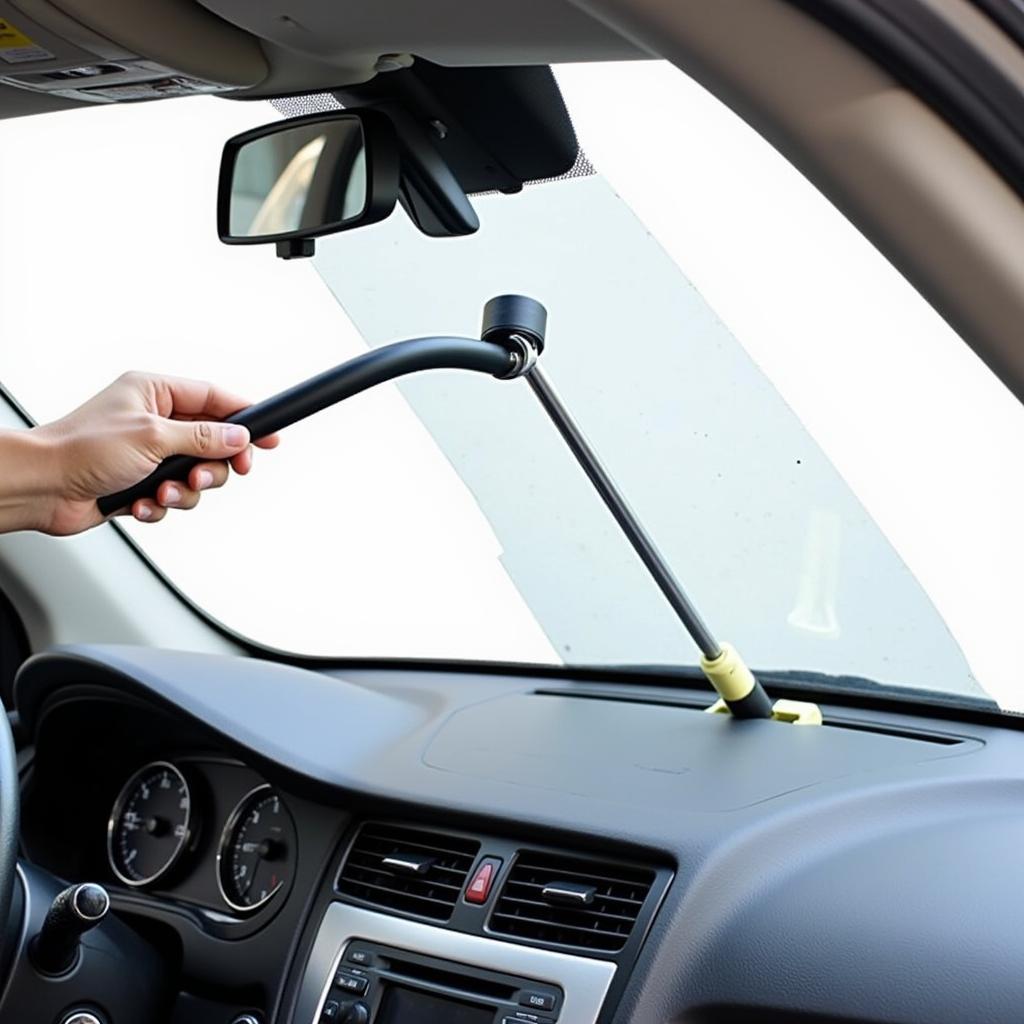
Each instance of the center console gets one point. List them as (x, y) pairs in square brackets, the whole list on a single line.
[(390, 985), (372, 968), (430, 926)]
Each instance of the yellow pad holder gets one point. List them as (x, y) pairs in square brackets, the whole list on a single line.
[(796, 712), (728, 674)]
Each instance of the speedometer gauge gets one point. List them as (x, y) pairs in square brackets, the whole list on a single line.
[(150, 825), (257, 851)]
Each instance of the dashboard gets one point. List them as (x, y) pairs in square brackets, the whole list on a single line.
[(427, 847)]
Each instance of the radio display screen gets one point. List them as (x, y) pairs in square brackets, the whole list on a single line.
[(408, 1006)]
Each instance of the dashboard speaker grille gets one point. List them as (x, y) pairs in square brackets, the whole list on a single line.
[(571, 901), (407, 869)]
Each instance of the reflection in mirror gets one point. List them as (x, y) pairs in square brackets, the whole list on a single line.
[(303, 178)]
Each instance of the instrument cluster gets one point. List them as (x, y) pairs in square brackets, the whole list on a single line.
[(173, 823)]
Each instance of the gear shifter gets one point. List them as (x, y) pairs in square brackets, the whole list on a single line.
[(73, 912)]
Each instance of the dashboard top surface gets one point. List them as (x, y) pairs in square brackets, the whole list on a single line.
[(815, 867), (502, 744)]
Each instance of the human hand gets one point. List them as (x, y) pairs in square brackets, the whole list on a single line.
[(120, 436)]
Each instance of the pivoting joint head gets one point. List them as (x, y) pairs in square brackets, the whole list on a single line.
[(508, 315)]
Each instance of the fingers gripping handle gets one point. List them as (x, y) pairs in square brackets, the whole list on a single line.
[(327, 389), (177, 467)]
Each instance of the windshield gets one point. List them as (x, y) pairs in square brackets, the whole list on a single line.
[(793, 424)]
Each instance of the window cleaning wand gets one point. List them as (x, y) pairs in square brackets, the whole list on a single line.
[(511, 341), (519, 323)]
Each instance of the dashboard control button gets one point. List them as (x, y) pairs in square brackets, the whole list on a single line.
[(358, 1013), (480, 885), (331, 1010), (537, 1000), (359, 956), (531, 1018), (351, 983)]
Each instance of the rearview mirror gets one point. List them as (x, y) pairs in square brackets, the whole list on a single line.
[(293, 181)]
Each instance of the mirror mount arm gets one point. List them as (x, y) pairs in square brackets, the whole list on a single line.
[(296, 248)]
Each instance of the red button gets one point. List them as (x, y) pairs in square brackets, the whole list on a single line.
[(480, 887)]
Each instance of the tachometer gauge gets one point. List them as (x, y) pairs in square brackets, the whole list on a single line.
[(151, 824), (257, 851)]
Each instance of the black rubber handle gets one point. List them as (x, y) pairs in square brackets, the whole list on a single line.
[(73, 912), (327, 389)]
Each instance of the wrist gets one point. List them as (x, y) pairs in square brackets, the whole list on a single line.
[(30, 479)]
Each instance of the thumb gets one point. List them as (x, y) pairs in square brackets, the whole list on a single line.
[(201, 439)]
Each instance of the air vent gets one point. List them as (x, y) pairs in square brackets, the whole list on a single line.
[(571, 901), (405, 869)]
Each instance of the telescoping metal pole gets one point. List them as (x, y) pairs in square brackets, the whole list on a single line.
[(520, 322)]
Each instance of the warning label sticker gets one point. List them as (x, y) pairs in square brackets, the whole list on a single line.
[(17, 48)]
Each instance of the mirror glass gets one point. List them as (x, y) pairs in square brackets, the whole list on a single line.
[(301, 178)]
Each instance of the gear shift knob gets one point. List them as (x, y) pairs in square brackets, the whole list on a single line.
[(73, 912)]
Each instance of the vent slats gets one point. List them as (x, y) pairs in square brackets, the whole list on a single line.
[(376, 877), (587, 932), (383, 845), (604, 923), (432, 893), (373, 860), (598, 915), (531, 890)]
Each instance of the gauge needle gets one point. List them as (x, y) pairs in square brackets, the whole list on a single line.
[(269, 849)]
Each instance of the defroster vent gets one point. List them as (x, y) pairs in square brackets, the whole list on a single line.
[(571, 901), (407, 869)]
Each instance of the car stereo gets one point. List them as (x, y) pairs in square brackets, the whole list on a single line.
[(383, 985), (366, 967)]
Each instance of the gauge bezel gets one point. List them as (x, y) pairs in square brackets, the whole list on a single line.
[(115, 815), (225, 838)]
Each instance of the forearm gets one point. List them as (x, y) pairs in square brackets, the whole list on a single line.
[(29, 480)]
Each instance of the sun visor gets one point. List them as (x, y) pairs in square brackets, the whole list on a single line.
[(109, 51)]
